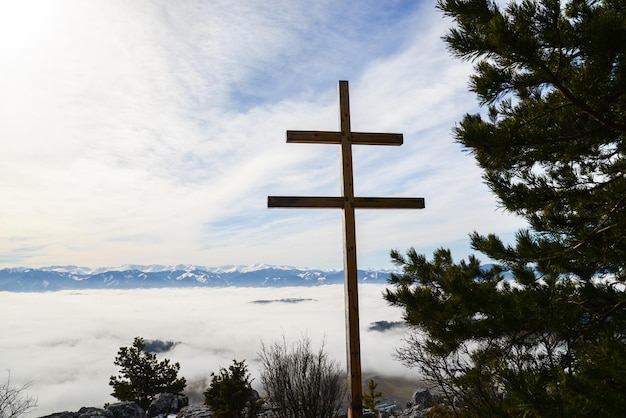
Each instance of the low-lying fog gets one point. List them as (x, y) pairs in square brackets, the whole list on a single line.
[(65, 342)]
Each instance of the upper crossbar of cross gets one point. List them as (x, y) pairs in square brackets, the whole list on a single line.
[(348, 202)]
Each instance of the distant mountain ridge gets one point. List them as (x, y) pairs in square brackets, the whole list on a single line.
[(55, 278)]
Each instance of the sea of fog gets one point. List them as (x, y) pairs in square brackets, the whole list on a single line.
[(65, 342)]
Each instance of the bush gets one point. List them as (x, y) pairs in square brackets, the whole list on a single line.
[(14, 401), (301, 383)]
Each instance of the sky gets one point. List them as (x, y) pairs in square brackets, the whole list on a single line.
[(64, 343), (152, 132)]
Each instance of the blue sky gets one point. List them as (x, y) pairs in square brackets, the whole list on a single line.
[(152, 132)]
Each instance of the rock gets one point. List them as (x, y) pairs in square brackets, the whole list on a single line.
[(166, 404), (65, 414), (421, 401), (89, 412), (255, 396), (126, 410), (115, 410), (423, 398), (413, 412), (195, 411)]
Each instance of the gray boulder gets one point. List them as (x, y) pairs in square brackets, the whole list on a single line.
[(195, 411), (166, 404), (421, 401), (115, 410), (423, 398), (126, 410), (92, 412), (64, 414)]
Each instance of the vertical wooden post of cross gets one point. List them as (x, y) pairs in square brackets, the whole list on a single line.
[(348, 202), (353, 340)]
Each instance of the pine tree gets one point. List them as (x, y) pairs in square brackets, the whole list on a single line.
[(142, 376), (543, 331), (230, 393), (371, 398)]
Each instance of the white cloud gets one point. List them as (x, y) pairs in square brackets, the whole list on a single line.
[(65, 342), (153, 132)]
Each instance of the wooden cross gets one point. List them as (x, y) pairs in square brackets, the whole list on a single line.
[(348, 202)]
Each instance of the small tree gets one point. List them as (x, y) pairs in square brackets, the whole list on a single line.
[(231, 392), (14, 401), (142, 377), (302, 384), (371, 399)]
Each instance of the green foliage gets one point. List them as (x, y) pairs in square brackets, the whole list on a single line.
[(230, 393), (552, 148), (551, 341), (371, 398), (506, 349), (142, 376)]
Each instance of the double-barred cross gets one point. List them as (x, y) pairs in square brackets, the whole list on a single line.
[(348, 202)]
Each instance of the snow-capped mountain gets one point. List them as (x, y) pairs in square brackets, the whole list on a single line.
[(158, 276)]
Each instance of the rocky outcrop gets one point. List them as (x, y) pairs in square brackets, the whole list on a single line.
[(419, 405), (195, 411), (125, 410), (91, 412), (114, 410), (165, 404), (64, 414)]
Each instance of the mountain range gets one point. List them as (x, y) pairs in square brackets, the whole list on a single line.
[(56, 278)]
